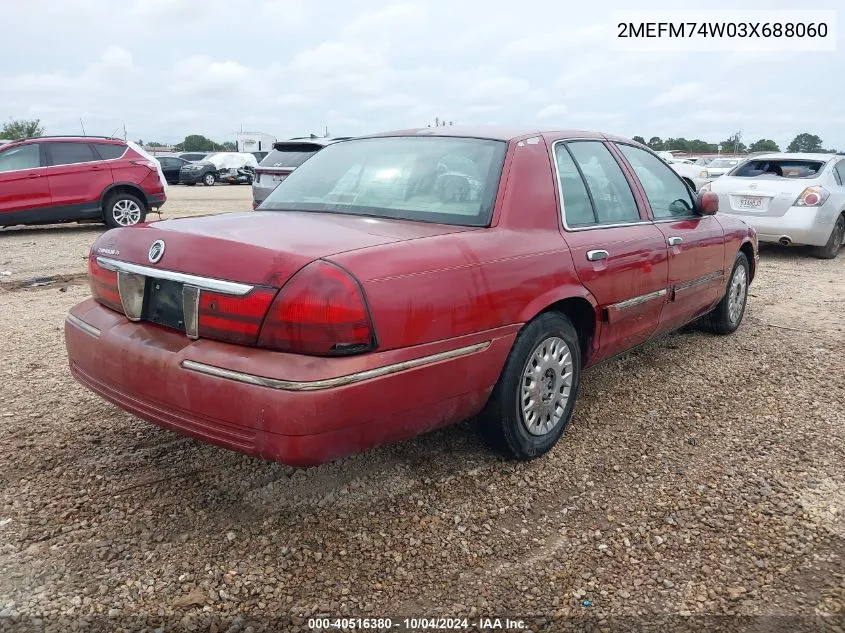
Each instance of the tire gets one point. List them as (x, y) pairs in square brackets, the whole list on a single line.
[(208, 179), (834, 243), (505, 423), (726, 317), (123, 209)]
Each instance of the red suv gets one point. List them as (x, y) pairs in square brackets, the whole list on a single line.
[(67, 179)]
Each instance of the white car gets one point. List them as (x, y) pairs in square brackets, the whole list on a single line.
[(690, 173), (788, 199), (717, 167)]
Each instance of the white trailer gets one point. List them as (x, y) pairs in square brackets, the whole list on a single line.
[(255, 142)]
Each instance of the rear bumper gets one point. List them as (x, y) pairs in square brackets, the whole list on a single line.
[(156, 200), (294, 409), (800, 224)]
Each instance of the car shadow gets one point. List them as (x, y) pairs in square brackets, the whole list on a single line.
[(778, 252)]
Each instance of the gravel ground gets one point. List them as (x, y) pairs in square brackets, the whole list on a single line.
[(701, 475), (29, 252)]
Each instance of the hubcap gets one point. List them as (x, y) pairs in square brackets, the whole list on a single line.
[(736, 298), (546, 386), (126, 212), (209, 179)]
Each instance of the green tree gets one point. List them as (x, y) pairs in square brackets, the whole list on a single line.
[(197, 143), (639, 139), (764, 145), (655, 143), (734, 144), (22, 128), (140, 142), (697, 145), (680, 144), (229, 146), (805, 142)]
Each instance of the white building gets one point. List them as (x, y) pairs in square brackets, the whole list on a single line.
[(255, 142)]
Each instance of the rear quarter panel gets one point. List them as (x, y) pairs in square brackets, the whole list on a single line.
[(456, 284), (737, 233)]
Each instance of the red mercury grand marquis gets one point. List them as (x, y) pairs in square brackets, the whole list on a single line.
[(401, 282)]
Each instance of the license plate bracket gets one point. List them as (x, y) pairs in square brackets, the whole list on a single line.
[(163, 303)]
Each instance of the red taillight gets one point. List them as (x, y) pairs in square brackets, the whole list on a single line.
[(103, 284), (233, 319), (812, 197), (321, 311)]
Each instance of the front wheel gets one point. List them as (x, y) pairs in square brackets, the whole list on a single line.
[(532, 403), (726, 317), (834, 243), (208, 180), (124, 209)]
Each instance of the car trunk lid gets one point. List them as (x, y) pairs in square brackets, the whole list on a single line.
[(261, 248), (764, 197)]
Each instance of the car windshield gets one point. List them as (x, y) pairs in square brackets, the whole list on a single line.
[(779, 168), (449, 180), (721, 163)]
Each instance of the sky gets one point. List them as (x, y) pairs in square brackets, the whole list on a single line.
[(168, 68)]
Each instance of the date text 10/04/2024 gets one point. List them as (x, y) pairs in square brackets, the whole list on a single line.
[(417, 624)]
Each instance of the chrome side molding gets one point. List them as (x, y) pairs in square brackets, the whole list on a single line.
[(329, 383)]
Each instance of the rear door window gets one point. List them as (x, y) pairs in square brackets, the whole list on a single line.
[(577, 206), (23, 157), (668, 195), (68, 153), (109, 151), (612, 198), (840, 171)]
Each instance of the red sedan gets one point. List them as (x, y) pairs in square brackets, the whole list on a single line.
[(402, 282)]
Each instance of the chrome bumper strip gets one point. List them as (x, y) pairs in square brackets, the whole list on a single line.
[(82, 325), (329, 383)]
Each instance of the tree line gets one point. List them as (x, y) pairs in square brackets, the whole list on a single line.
[(804, 142)]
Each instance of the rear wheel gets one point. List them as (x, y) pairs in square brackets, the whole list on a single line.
[(208, 179), (834, 243), (532, 403), (124, 209), (726, 317)]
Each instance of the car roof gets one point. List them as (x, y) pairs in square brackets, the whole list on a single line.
[(497, 132), (796, 156), (68, 139), (305, 140)]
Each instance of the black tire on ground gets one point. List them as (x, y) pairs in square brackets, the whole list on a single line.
[(208, 179), (123, 209), (834, 243), (726, 317), (504, 421)]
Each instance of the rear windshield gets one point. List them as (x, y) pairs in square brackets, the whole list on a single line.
[(292, 156), (782, 168), (448, 180), (721, 163)]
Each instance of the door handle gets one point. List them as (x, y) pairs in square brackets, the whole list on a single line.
[(597, 255), (674, 240)]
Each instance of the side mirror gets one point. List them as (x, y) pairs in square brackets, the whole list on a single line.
[(708, 203)]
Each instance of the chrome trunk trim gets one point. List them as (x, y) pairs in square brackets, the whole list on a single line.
[(203, 283)]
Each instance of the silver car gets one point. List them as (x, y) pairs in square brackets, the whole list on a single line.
[(789, 199), (281, 161)]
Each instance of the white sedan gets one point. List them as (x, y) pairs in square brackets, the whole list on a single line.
[(788, 199), (717, 167)]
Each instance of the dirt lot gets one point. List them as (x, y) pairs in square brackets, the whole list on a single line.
[(701, 475)]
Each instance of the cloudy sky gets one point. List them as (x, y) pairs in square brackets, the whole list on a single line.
[(167, 68)]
